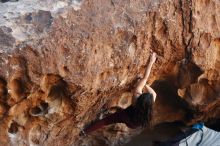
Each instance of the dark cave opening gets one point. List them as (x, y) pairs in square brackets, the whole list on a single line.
[(167, 95)]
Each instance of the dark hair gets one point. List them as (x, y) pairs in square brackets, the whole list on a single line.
[(143, 109)]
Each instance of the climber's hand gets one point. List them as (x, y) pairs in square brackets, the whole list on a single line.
[(153, 58)]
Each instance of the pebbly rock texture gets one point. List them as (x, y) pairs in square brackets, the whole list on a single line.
[(64, 62)]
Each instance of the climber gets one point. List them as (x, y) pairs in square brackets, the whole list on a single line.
[(136, 115)]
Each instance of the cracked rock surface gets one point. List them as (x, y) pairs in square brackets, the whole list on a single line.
[(63, 62)]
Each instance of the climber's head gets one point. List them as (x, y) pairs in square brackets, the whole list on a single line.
[(143, 109)]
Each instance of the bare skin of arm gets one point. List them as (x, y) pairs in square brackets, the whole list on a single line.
[(143, 81)]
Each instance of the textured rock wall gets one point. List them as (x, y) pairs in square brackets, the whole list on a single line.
[(74, 59)]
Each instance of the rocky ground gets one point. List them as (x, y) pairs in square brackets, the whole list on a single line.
[(73, 59)]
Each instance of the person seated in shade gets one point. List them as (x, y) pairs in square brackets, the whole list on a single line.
[(196, 135), (138, 114)]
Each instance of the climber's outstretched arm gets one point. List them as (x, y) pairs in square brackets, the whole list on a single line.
[(143, 81)]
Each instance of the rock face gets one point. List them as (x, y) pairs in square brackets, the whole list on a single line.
[(63, 62)]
